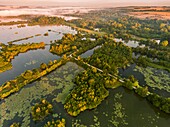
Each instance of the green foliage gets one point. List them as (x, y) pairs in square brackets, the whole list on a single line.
[(164, 43), (27, 77), (160, 102), (131, 83), (123, 26), (142, 91), (45, 20), (19, 105), (75, 43), (41, 110), (128, 84), (88, 93), (142, 61), (156, 78), (111, 56), (65, 83), (15, 125), (8, 52), (112, 83), (159, 53)]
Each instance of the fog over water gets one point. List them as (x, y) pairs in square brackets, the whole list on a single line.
[(36, 10)]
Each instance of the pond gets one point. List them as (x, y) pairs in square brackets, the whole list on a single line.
[(89, 52), (157, 80), (11, 33), (57, 84), (31, 59), (122, 108), (27, 61), (130, 43)]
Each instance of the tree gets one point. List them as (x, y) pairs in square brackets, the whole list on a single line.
[(160, 102), (142, 91), (27, 74), (162, 25), (79, 58), (94, 69), (43, 66), (164, 43), (15, 125), (41, 110), (128, 84), (50, 63)]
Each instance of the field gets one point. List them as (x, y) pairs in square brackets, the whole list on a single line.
[(151, 13)]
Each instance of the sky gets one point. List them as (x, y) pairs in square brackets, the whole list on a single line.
[(87, 2)]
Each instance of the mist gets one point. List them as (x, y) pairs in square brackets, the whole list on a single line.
[(87, 3)]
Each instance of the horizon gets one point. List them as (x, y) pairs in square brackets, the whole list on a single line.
[(88, 3)]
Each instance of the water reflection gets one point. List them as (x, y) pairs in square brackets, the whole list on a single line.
[(138, 111), (11, 33), (130, 43), (89, 52), (31, 59), (27, 61)]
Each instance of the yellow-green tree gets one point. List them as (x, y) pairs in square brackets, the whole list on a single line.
[(164, 43)]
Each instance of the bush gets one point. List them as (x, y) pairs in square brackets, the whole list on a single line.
[(57, 123), (41, 110)]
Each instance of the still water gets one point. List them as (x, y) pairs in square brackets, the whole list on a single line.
[(11, 33), (121, 108), (33, 58)]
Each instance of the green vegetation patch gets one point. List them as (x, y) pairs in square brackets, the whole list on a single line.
[(119, 24), (20, 104), (8, 52), (27, 77), (160, 102), (111, 56), (41, 110), (78, 43), (15, 125), (62, 79), (88, 93), (57, 123), (118, 117), (45, 20), (156, 78)]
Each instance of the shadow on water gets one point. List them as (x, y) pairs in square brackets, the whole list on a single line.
[(125, 73)]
